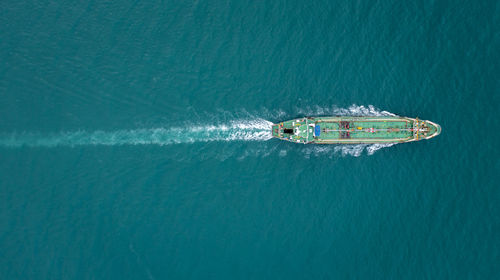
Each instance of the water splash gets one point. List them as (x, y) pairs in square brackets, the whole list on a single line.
[(353, 110), (331, 151), (243, 130)]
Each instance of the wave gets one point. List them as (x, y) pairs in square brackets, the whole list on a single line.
[(353, 110), (354, 150), (244, 130), (279, 114)]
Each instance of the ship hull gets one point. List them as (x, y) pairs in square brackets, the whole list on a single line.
[(355, 130)]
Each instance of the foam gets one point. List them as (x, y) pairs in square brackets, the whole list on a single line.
[(353, 110), (238, 130)]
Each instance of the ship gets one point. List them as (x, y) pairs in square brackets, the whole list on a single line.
[(355, 130)]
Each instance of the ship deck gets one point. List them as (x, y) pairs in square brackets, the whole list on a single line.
[(378, 130), (346, 130)]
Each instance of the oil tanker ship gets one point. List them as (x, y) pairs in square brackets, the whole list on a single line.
[(355, 130)]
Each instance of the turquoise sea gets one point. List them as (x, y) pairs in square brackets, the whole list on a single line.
[(134, 140)]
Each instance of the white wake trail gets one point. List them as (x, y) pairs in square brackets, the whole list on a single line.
[(242, 130)]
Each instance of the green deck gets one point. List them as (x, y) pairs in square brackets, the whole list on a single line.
[(354, 130)]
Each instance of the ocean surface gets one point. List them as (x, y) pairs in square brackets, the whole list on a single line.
[(135, 142)]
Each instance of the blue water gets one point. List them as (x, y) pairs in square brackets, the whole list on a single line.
[(134, 140)]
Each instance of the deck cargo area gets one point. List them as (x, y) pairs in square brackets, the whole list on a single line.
[(354, 130)]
